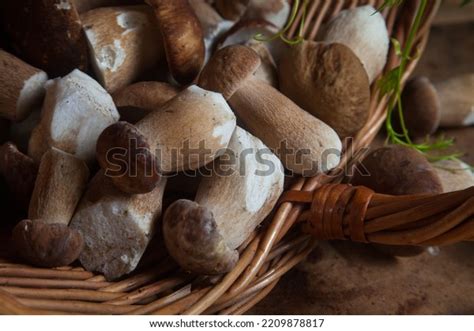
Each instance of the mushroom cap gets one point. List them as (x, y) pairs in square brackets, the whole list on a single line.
[(137, 100), (228, 70), (183, 38), (328, 81), (125, 155), (193, 240), (398, 170), (422, 107), (47, 245)]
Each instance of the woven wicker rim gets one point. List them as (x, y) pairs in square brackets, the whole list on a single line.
[(159, 287)]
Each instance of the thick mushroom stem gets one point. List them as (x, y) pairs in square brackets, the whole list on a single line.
[(46, 239), (303, 143), (194, 241), (122, 43), (246, 182), (182, 38), (22, 87), (116, 226), (188, 132)]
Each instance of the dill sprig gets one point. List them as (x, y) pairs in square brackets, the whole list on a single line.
[(391, 85), (297, 7)]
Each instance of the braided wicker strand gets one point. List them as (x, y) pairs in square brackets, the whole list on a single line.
[(343, 212)]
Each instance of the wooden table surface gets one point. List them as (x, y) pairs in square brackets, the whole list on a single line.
[(347, 278)]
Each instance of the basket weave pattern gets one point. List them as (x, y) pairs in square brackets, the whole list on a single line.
[(159, 287)]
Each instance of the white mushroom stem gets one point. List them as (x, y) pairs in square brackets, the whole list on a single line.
[(245, 185), (213, 25), (303, 143), (75, 112), (61, 181), (363, 30), (457, 101), (189, 131), (116, 226), (22, 87), (123, 43), (454, 175), (245, 191)]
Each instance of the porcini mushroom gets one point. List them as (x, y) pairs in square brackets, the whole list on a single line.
[(183, 38), (122, 43), (231, 9), (398, 170), (213, 25), (455, 175), (45, 238), (47, 34), (22, 87), (203, 236), (116, 226), (421, 107), (75, 111), (135, 101), (457, 101), (188, 132), (19, 172), (363, 30), (330, 82), (304, 144)]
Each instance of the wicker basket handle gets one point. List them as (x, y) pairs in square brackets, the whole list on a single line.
[(344, 212)]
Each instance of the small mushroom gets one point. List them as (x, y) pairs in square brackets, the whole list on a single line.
[(203, 236), (421, 107), (303, 143), (363, 30), (122, 42), (328, 81), (398, 170), (135, 101), (75, 111), (457, 101), (116, 226), (213, 25), (45, 238), (83, 6), (186, 133), (455, 175), (19, 172), (47, 34), (231, 9), (183, 38), (22, 87)]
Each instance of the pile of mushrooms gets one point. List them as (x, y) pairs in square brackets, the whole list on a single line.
[(139, 92)]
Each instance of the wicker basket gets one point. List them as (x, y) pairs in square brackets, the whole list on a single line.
[(329, 210)]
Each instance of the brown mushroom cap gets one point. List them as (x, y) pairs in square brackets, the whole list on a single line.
[(398, 170), (47, 34), (135, 101), (421, 107), (228, 69), (183, 38), (47, 245), (328, 81), (125, 155), (192, 239)]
